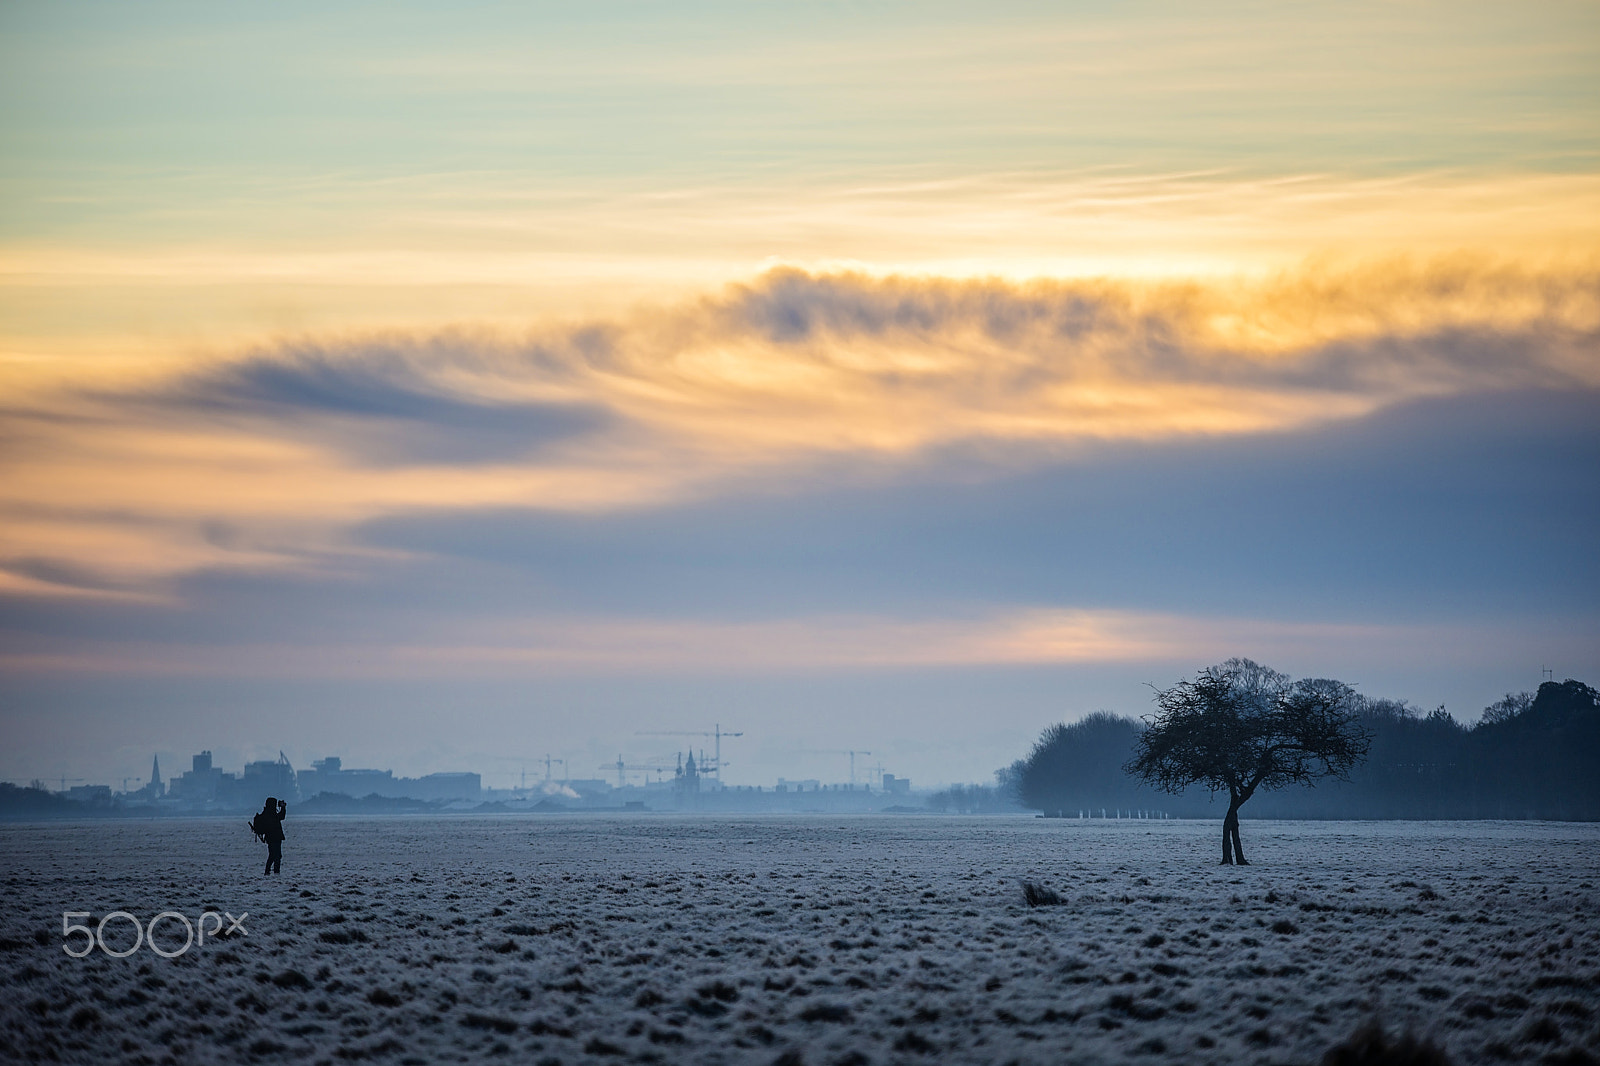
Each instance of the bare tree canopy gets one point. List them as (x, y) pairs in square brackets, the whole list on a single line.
[(1241, 727)]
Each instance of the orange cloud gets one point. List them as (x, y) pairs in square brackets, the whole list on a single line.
[(127, 482)]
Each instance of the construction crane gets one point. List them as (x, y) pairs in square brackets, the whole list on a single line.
[(621, 767), (842, 751), (716, 733), (522, 762)]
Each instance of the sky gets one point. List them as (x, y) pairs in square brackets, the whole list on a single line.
[(448, 386)]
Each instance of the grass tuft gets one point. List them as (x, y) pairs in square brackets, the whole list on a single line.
[(1036, 895)]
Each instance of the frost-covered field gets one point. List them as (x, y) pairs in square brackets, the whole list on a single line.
[(795, 939)]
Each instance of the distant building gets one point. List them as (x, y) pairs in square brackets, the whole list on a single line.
[(896, 786), (687, 778), (810, 784), (202, 783), (95, 795), (329, 775), (154, 790), (268, 777)]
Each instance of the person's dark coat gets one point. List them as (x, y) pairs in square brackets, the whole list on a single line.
[(269, 824)]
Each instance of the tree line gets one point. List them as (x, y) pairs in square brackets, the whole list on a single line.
[(1530, 756)]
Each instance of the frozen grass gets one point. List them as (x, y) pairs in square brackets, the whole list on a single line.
[(808, 941)]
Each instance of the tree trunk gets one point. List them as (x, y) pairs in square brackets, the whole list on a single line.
[(1232, 849)]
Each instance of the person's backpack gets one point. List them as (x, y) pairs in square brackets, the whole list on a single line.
[(257, 827)]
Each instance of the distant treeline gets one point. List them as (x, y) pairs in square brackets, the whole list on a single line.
[(1530, 756), (975, 799), (35, 802)]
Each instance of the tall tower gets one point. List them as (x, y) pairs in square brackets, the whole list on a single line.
[(156, 788), (687, 779)]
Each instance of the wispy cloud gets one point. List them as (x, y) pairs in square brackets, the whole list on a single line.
[(382, 405), (288, 446)]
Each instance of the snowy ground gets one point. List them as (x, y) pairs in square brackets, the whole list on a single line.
[(802, 940)]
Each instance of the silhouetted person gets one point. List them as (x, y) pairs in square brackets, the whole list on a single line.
[(269, 827)]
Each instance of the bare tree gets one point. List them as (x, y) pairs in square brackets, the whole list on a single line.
[(1241, 727)]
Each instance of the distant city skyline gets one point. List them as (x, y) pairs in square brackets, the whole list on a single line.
[(503, 772), (206, 787)]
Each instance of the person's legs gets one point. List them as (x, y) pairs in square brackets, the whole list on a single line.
[(275, 857)]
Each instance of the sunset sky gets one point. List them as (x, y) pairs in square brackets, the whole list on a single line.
[(441, 386)]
